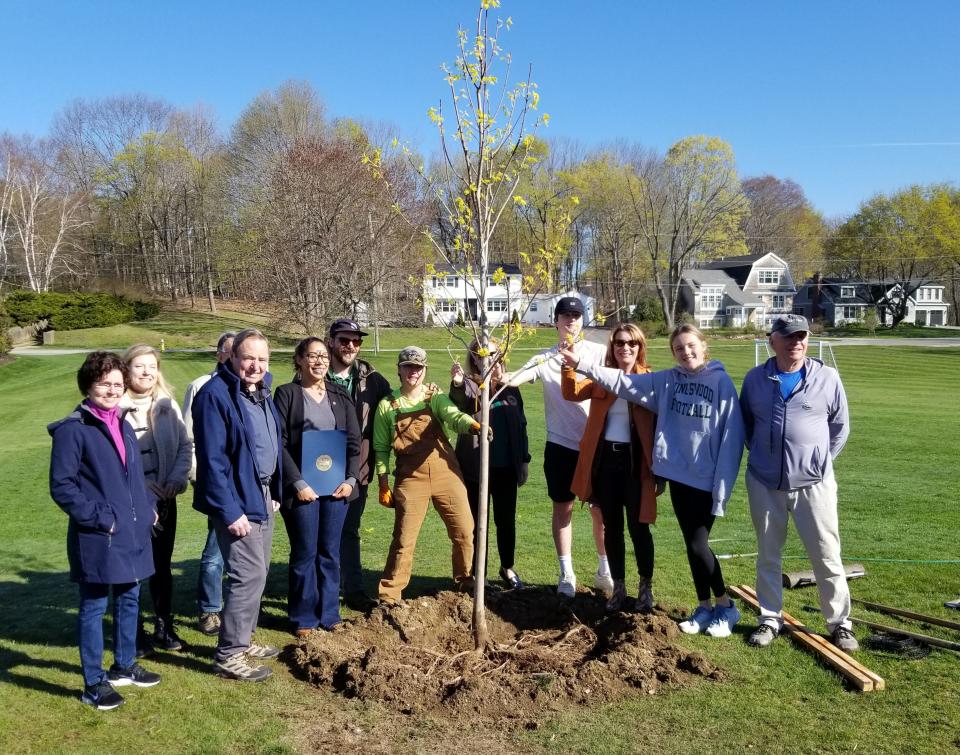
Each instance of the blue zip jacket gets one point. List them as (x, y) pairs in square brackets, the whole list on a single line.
[(228, 480), (698, 440), (90, 483), (793, 443)]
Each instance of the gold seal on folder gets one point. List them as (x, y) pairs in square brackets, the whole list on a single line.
[(324, 462)]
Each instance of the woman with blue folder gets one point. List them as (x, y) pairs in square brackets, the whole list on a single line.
[(310, 408)]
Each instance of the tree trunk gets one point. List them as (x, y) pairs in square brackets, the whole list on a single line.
[(481, 634)]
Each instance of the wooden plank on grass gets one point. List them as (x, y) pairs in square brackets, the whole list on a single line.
[(858, 675), (879, 607), (913, 635)]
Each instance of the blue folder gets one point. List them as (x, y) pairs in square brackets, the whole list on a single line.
[(324, 462)]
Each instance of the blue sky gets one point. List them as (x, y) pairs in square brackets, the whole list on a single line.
[(846, 98)]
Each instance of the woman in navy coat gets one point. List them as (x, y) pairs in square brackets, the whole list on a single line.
[(97, 479)]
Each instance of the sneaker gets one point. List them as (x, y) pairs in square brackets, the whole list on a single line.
[(102, 696), (644, 601), (510, 579), (844, 639), (699, 621), (763, 635), (603, 582), (301, 633), (567, 586), (136, 675), (164, 636), (261, 652), (237, 667), (725, 619), (209, 623), (618, 597)]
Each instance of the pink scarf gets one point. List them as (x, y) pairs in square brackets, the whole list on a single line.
[(111, 418)]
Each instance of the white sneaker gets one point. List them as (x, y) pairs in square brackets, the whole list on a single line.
[(724, 620), (603, 582), (567, 586), (698, 621)]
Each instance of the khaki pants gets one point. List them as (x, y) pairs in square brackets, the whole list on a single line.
[(438, 479)]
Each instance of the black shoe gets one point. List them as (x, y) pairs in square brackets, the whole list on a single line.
[(102, 696), (164, 636), (136, 675), (510, 579), (145, 646), (359, 601)]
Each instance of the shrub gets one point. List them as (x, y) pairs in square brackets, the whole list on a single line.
[(75, 311), (5, 322)]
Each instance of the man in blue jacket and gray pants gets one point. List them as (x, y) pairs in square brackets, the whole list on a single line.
[(236, 431), (796, 421)]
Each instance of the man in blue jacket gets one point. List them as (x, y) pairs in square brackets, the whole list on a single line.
[(796, 422), (236, 431)]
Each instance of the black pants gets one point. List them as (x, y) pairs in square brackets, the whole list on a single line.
[(617, 489), (503, 492), (692, 507), (161, 583)]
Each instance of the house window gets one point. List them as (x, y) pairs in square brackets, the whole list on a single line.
[(847, 292), (451, 281), (496, 305), (711, 298), (434, 282), (446, 306), (533, 306), (768, 277), (851, 313), (490, 281), (779, 301)]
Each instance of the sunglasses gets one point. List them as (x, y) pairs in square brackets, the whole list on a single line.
[(620, 343), (344, 340)]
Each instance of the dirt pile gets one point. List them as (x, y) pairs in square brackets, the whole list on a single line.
[(544, 654)]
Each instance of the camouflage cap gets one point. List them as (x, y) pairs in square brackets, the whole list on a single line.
[(412, 355)]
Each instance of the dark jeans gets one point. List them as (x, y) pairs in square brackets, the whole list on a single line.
[(692, 507), (246, 561), (93, 606), (210, 580), (617, 489), (351, 573), (164, 533), (503, 492), (314, 530)]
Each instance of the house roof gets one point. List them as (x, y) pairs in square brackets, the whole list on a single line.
[(701, 277), (492, 267)]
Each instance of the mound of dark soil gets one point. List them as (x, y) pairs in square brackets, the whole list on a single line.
[(544, 653)]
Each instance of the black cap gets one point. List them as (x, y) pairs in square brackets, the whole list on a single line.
[(568, 305), (787, 325), (345, 325)]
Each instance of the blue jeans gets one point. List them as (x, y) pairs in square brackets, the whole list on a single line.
[(314, 530), (351, 573), (210, 582), (93, 606)]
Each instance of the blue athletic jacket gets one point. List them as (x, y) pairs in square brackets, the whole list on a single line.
[(228, 480)]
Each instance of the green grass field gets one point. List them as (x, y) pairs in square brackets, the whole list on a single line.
[(899, 516)]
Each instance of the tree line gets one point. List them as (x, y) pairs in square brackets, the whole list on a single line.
[(129, 193)]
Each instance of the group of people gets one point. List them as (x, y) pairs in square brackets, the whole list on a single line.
[(617, 433)]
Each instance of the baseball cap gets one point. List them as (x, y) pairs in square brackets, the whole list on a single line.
[(345, 325), (787, 325), (412, 355), (568, 305)]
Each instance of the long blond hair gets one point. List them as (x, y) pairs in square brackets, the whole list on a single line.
[(636, 335), (161, 389), (693, 330)]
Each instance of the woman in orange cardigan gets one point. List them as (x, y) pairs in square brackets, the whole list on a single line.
[(616, 455)]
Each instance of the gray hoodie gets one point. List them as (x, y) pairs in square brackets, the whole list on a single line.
[(699, 435), (793, 443)]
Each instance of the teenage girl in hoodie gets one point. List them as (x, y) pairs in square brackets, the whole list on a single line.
[(698, 443)]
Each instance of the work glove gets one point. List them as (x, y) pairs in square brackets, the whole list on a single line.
[(386, 496)]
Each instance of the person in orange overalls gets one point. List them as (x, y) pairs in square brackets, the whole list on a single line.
[(410, 422)]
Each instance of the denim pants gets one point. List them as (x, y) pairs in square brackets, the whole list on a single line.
[(210, 580), (93, 606), (314, 530), (351, 572), (246, 561)]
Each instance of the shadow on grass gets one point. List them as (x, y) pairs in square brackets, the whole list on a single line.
[(11, 659)]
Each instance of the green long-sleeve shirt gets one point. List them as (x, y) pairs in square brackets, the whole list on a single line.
[(385, 425)]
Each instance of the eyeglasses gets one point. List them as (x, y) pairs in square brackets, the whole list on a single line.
[(344, 340), (109, 386), (315, 357), (620, 343)]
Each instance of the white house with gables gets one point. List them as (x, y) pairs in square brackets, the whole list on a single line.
[(837, 301), (735, 291), (447, 292)]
